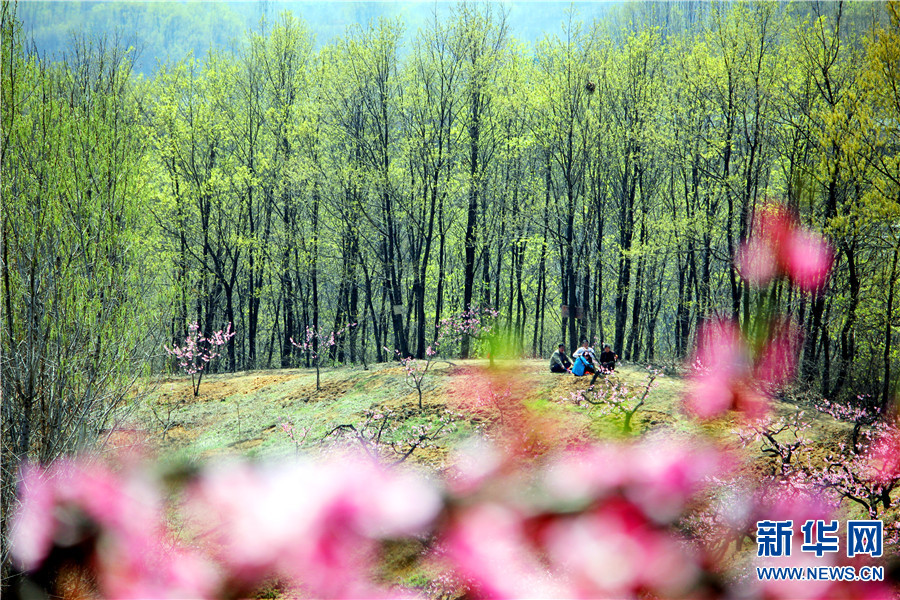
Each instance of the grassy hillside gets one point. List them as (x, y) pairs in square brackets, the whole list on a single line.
[(243, 413)]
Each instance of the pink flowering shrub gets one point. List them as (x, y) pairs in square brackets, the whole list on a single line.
[(384, 435), (783, 440), (616, 397), (416, 369), (475, 324), (198, 351), (289, 430), (866, 472), (862, 473), (316, 343)]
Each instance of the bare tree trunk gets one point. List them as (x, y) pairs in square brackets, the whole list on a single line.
[(888, 334)]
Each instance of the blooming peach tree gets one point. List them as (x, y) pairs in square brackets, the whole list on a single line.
[(316, 343), (867, 470), (616, 397), (199, 351), (288, 428), (386, 435), (416, 369), (476, 323)]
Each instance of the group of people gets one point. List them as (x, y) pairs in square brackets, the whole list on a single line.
[(583, 360)]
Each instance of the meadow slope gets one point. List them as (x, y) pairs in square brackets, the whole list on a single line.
[(242, 413)]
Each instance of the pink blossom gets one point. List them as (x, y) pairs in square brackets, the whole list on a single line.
[(614, 552), (721, 364), (198, 351), (759, 258), (756, 261), (117, 519), (778, 246), (729, 375), (807, 259), (472, 465), (487, 545), (593, 524), (883, 456), (577, 478), (311, 522), (666, 473), (34, 528)]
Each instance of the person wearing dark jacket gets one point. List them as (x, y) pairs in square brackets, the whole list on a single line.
[(559, 362), (608, 358)]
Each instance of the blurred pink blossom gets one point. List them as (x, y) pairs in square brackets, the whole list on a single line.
[(721, 365), (312, 522), (729, 374), (780, 246), (116, 518), (807, 259), (487, 545)]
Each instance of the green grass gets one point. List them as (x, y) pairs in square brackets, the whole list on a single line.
[(241, 413)]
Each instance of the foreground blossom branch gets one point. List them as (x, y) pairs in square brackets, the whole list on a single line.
[(780, 247), (632, 519), (317, 524), (739, 367)]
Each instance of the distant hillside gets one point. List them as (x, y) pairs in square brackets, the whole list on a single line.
[(163, 31)]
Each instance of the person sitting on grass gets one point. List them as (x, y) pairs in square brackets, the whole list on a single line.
[(584, 359), (588, 353), (608, 358), (559, 362)]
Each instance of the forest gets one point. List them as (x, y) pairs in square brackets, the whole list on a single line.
[(595, 183)]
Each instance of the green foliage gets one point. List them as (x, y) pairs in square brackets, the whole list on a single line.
[(77, 295), (74, 193), (410, 168)]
